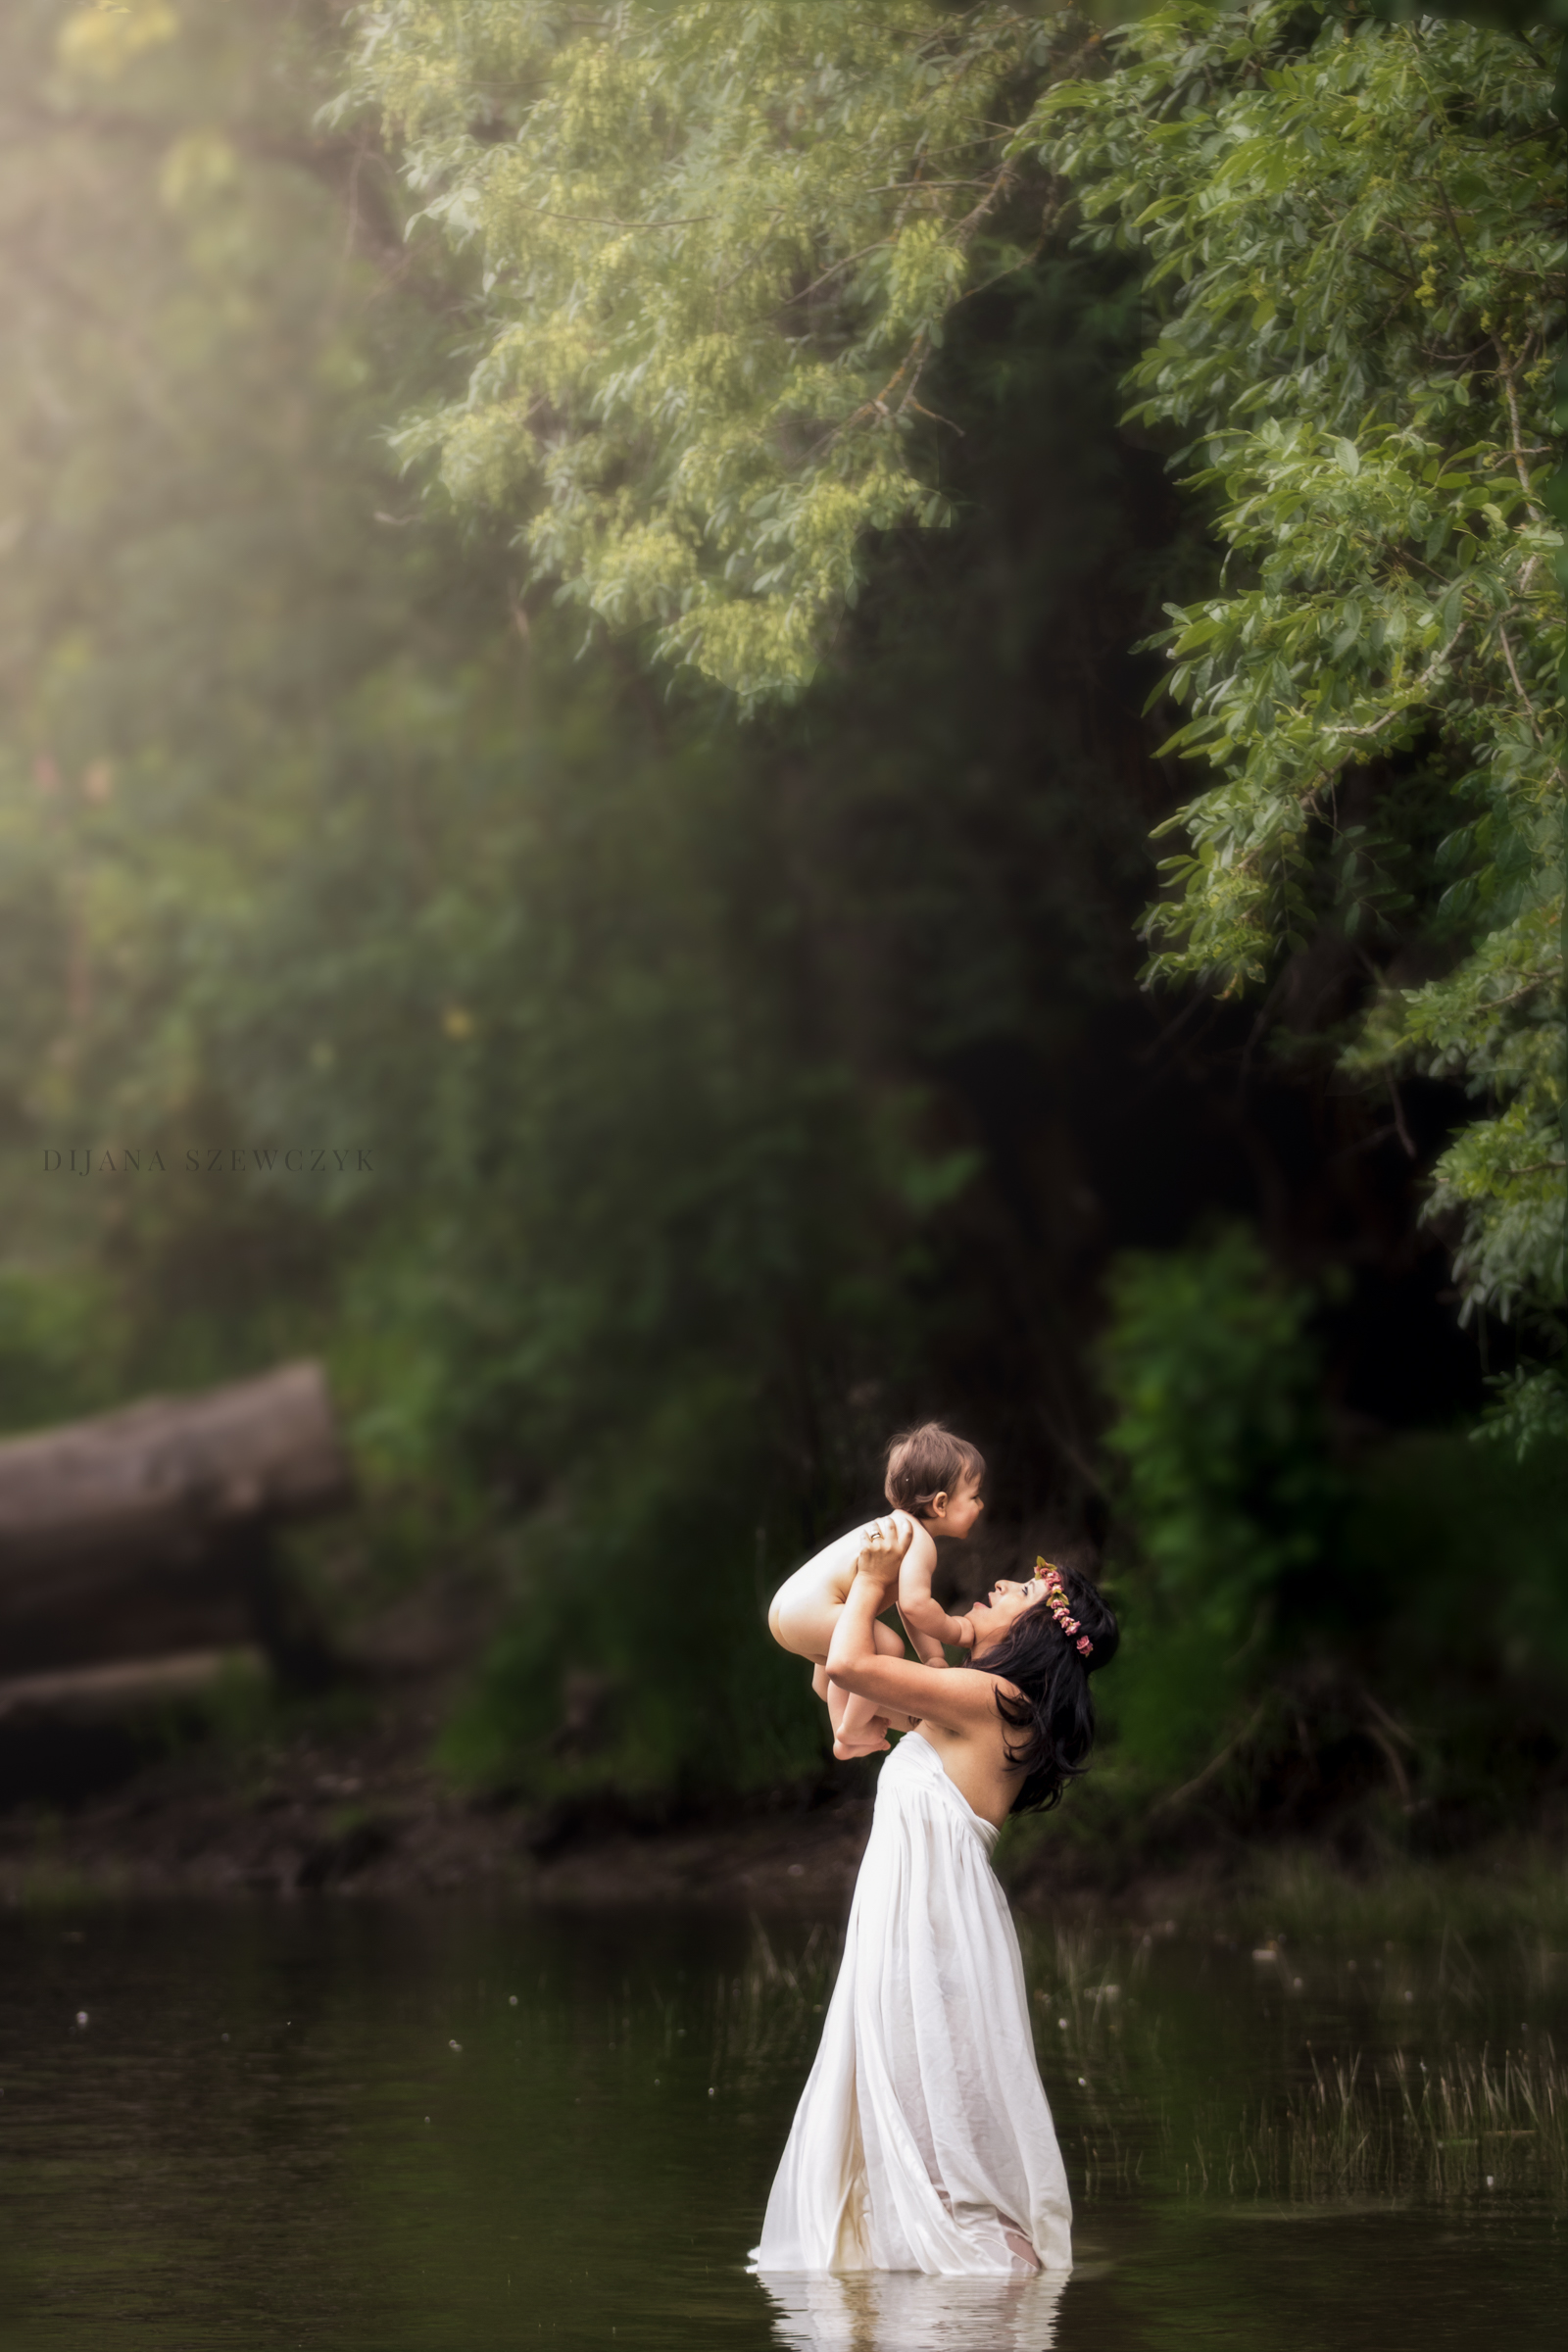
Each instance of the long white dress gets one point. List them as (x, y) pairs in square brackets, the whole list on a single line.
[(923, 2130)]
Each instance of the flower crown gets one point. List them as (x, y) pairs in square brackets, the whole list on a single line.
[(1060, 1608)]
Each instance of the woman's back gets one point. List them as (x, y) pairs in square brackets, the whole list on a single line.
[(975, 1761)]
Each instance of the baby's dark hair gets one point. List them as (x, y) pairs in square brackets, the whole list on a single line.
[(926, 1462), (1053, 1710)]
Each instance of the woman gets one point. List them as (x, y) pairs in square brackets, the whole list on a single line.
[(923, 2140)]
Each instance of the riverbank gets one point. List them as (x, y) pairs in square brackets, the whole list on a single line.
[(346, 1805), (347, 1802)]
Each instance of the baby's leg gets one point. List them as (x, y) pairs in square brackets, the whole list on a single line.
[(859, 1726), (858, 1729), (803, 1626)]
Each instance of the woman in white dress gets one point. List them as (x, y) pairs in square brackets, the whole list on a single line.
[(923, 2140)]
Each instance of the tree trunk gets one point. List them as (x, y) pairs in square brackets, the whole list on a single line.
[(143, 1531), (118, 1693)]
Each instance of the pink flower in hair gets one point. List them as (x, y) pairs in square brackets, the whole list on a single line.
[(1055, 1593)]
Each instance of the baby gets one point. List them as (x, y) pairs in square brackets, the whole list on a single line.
[(933, 1483)]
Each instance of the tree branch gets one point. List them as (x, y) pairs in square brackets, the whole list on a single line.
[(1513, 672), (1215, 1764)]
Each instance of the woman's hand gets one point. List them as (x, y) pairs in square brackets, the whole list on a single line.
[(882, 1551), (959, 1701)]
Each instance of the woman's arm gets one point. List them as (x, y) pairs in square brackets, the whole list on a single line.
[(953, 1696)]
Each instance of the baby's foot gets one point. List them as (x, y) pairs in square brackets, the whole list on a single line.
[(845, 1750)]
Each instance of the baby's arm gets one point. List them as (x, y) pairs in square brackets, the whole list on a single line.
[(927, 1623)]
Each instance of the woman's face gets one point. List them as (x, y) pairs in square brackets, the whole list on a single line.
[(1006, 1602)]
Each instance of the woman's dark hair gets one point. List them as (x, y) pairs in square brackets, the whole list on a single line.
[(1053, 1710)]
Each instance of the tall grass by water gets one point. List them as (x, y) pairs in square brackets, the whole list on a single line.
[(776, 1999), (1396, 2129), (1400, 2098), (1393, 2092)]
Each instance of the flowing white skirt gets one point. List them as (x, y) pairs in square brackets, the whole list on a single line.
[(923, 2130)]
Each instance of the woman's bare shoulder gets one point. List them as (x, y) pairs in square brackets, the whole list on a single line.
[(964, 1697)]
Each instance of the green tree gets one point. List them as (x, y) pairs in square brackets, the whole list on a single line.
[(1354, 248), (729, 1092), (651, 1029), (197, 604), (1221, 1444), (720, 241)]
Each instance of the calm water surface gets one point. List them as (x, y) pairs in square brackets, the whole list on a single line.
[(360, 2129)]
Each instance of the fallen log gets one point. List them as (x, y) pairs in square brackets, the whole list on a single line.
[(148, 1531), (159, 1477), (122, 1692), (75, 1734)]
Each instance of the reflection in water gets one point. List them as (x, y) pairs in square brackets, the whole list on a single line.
[(422, 2130), (905, 2311)]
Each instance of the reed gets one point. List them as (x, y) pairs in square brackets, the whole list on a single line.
[(773, 2003), (1469, 2125)]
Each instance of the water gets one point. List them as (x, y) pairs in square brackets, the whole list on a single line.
[(359, 2130)]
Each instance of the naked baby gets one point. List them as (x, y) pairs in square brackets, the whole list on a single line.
[(933, 1483)]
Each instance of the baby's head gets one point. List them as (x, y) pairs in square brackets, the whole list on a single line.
[(936, 1477)]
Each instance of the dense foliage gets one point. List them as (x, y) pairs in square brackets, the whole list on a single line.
[(713, 1098), (1300, 1624), (720, 242), (1218, 1392), (300, 849), (1354, 250), (671, 1052), (1220, 1440)]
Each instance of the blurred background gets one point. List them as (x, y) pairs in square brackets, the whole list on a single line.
[(641, 1115)]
